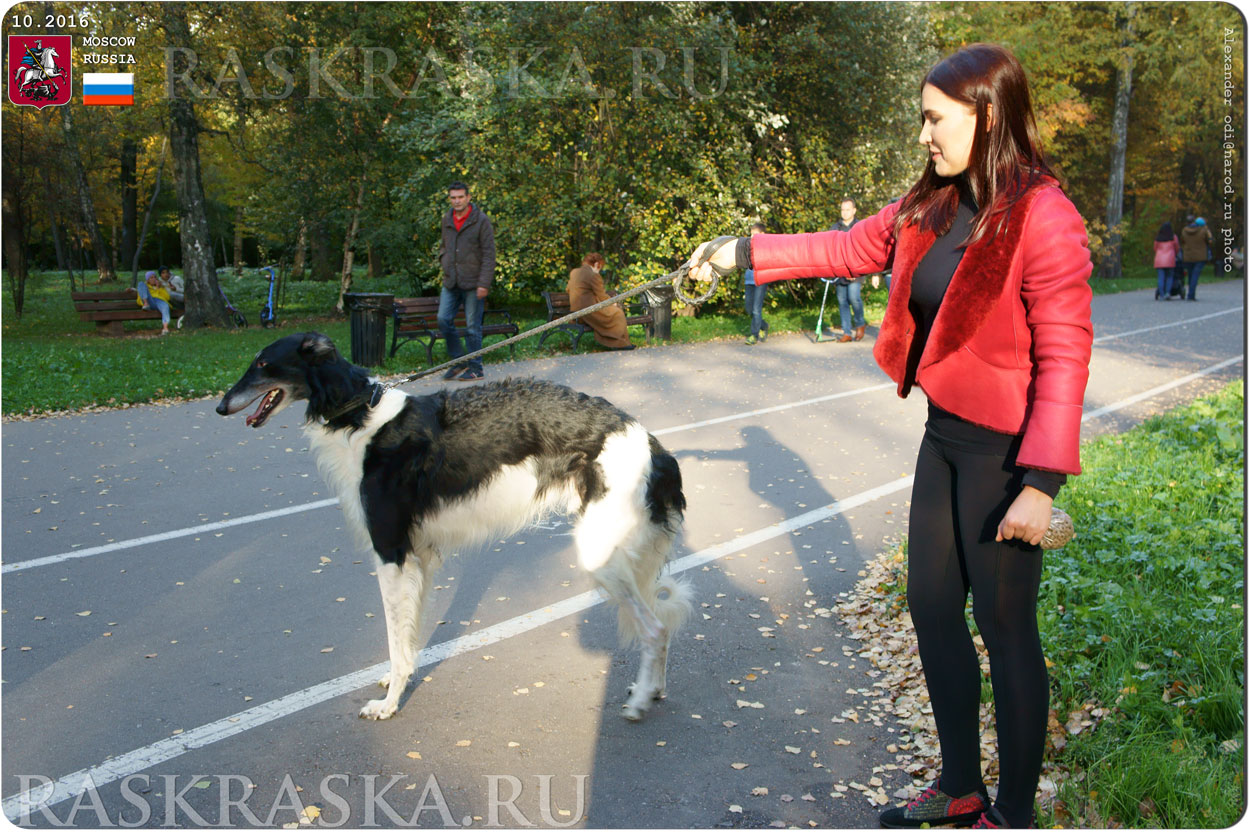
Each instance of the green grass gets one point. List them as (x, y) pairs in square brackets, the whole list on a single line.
[(52, 361), (1149, 599)]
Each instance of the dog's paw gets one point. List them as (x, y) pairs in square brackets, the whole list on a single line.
[(377, 709), (631, 713)]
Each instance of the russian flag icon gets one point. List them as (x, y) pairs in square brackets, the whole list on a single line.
[(108, 88)]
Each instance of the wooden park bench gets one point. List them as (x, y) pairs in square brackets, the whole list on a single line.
[(637, 313), (416, 319), (110, 309)]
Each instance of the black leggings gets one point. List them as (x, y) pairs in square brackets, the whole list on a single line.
[(966, 478)]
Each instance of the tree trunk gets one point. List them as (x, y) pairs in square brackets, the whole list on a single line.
[(375, 261), (349, 256), (130, 201), (147, 215), (238, 242), (204, 303), (55, 218), (14, 252), (58, 243), (319, 248), (1112, 264), (301, 251), (104, 263)]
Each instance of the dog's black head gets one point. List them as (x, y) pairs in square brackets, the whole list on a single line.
[(301, 367)]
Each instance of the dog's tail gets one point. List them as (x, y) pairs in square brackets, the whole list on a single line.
[(673, 602), (670, 600)]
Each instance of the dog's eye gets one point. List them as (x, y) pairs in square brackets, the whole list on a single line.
[(260, 362)]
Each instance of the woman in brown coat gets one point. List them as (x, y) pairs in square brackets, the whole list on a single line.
[(586, 289)]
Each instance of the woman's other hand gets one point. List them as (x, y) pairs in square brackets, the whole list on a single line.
[(1027, 518)]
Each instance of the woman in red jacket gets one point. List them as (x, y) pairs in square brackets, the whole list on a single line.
[(990, 316)]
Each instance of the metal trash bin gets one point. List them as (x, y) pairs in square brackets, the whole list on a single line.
[(660, 299), (368, 313)]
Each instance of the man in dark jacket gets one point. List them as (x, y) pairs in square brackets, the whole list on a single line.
[(467, 257), (850, 297), (1195, 251)]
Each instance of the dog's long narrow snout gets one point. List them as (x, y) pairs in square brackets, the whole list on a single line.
[(222, 410)]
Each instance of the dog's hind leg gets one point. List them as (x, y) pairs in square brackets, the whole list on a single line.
[(403, 591), (668, 598), (638, 623)]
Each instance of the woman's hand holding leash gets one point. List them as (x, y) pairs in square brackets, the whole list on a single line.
[(1028, 518), (714, 258)]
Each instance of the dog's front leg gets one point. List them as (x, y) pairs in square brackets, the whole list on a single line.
[(402, 591)]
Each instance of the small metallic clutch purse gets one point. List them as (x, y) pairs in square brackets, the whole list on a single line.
[(1061, 530)]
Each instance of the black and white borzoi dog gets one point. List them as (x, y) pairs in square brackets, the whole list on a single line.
[(420, 476)]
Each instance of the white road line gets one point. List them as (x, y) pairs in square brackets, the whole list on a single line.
[(17, 566), (170, 535), (1182, 322), (122, 766), (1162, 388), (735, 416)]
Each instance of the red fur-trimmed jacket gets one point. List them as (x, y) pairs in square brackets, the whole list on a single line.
[(1009, 349)]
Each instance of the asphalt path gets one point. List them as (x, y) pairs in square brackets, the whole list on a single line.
[(166, 650)]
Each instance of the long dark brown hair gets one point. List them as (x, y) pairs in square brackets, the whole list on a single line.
[(1005, 160)]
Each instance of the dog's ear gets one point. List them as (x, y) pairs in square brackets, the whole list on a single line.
[(317, 348)]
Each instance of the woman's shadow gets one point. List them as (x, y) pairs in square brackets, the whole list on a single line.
[(635, 759)]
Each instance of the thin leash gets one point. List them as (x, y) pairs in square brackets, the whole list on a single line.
[(374, 393), (675, 277)]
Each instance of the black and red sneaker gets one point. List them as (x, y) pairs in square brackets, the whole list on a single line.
[(993, 819), (934, 808)]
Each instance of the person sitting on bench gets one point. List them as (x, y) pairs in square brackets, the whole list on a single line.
[(586, 289), (153, 295)]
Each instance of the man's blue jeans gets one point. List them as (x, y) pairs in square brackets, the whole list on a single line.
[(755, 307), (449, 303), (850, 298), (1195, 269)]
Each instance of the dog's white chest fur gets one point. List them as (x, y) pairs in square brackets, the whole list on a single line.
[(340, 457)]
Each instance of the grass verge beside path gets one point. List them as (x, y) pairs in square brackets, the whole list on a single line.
[(53, 362), (1143, 612), (1142, 623)]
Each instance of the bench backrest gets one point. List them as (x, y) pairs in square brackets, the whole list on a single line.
[(110, 306), (558, 304), (422, 313), (91, 301)]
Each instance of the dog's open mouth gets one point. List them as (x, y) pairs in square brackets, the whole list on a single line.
[(267, 405)]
